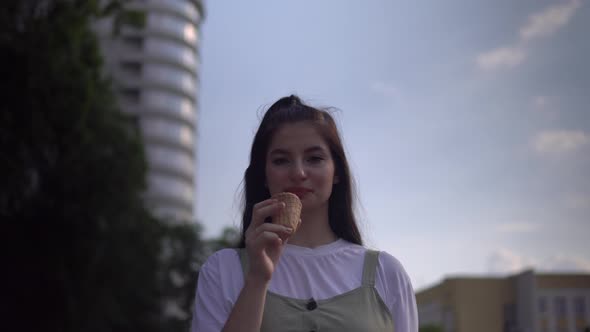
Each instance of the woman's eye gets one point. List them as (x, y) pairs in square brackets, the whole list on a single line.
[(279, 161), (316, 159)]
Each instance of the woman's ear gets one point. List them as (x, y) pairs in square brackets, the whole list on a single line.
[(336, 179)]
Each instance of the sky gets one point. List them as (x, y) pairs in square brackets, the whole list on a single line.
[(466, 123)]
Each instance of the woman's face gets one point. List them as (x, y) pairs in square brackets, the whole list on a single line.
[(299, 161)]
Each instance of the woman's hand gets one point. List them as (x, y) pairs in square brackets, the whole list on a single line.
[(265, 241)]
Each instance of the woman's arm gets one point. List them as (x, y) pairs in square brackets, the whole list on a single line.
[(246, 314), (215, 309), (223, 297), (264, 245), (217, 289), (396, 286), (407, 312)]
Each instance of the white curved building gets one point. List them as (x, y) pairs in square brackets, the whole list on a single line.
[(155, 75)]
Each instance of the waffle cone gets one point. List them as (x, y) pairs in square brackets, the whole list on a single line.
[(290, 216)]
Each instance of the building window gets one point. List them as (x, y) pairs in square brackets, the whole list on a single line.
[(542, 308), (579, 304), (544, 325), (510, 318), (561, 321), (133, 42), (131, 67), (542, 305), (560, 306), (130, 95)]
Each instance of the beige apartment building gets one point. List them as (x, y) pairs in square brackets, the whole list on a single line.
[(525, 302)]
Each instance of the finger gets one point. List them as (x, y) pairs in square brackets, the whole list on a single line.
[(284, 233), (275, 228), (269, 238), (264, 203), (259, 214), (254, 222), (263, 240)]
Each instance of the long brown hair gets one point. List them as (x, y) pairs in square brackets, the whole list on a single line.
[(340, 205)]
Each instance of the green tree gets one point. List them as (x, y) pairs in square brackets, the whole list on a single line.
[(229, 238), (85, 254), (431, 328), (183, 251)]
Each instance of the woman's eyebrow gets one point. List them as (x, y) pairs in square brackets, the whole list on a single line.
[(315, 148), (279, 151)]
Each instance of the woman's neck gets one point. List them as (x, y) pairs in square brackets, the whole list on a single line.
[(314, 230)]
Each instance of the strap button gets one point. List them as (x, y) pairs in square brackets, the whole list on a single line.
[(312, 304)]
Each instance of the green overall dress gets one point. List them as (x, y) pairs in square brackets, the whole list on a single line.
[(360, 309)]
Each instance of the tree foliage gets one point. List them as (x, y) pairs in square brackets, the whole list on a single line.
[(85, 254), (229, 238), (182, 253), (431, 328)]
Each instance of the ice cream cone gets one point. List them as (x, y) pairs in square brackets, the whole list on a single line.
[(290, 216)]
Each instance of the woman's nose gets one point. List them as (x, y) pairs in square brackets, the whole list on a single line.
[(298, 171)]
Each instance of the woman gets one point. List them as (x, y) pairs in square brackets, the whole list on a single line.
[(318, 278)]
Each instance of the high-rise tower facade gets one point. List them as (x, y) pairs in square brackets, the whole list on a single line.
[(155, 69)]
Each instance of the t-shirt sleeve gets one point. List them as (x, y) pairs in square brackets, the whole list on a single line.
[(399, 294), (213, 304)]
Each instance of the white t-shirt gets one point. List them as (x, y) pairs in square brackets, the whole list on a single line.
[(320, 273)]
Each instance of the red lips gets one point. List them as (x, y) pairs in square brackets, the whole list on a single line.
[(299, 191)]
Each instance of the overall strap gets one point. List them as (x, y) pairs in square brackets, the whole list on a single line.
[(243, 259), (370, 267)]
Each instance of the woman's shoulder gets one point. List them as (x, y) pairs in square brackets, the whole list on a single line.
[(390, 261), (391, 268), (395, 287)]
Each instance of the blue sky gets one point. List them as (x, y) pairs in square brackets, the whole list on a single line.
[(467, 124)]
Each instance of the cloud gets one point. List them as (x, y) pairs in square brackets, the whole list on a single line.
[(503, 261), (561, 263), (501, 57), (546, 22), (521, 227), (539, 25), (559, 141)]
